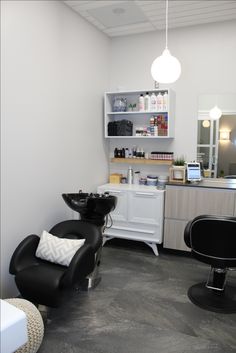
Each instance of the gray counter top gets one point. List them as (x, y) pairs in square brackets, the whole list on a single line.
[(210, 183)]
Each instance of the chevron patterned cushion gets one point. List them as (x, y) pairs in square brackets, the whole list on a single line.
[(57, 250)]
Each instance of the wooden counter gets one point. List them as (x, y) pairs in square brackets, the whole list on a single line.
[(183, 202), (215, 183)]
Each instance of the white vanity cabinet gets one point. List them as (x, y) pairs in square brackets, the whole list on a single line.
[(138, 214)]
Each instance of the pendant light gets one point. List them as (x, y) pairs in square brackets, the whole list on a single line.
[(215, 113), (166, 68)]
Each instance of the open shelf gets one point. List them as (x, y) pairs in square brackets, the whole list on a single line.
[(142, 161), (133, 112), (138, 118), (140, 137)]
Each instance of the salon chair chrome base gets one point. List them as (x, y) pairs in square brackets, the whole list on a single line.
[(212, 241), (94, 278), (213, 300)]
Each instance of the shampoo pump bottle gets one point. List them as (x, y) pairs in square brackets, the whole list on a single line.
[(165, 102), (141, 103), (147, 102), (153, 102), (159, 102)]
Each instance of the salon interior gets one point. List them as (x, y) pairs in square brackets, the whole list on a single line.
[(118, 176)]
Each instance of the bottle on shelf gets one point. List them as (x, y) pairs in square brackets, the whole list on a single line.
[(159, 102), (116, 152), (165, 102), (126, 153), (134, 152), (123, 153), (142, 153), (153, 102), (155, 130), (141, 103), (138, 153), (130, 176), (147, 102)]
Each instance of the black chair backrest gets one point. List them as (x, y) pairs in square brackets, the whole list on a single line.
[(76, 229), (213, 237)]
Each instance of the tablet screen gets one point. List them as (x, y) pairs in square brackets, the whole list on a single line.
[(193, 171)]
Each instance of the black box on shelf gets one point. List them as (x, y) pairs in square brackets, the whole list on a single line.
[(120, 128)]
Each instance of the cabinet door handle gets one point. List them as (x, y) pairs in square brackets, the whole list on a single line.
[(114, 191), (144, 193)]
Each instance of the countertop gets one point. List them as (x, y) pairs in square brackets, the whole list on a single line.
[(218, 183), (132, 187)]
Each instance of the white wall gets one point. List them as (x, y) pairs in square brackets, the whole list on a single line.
[(55, 68), (226, 102), (208, 56)]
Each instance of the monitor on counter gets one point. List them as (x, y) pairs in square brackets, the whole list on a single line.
[(193, 171)]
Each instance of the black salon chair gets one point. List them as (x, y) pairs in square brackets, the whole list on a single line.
[(212, 240), (46, 283)]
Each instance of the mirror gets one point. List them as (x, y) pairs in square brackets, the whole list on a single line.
[(216, 139)]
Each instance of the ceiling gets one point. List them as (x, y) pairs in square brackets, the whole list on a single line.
[(119, 18)]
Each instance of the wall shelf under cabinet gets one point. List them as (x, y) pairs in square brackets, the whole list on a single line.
[(142, 161)]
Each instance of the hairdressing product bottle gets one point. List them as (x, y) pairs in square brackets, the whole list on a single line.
[(153, 104), (165, 102), (130, 176), (141, 103), (147, 102), (159, 102)]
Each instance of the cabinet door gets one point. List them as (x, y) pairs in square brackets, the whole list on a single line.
[(174, 235), (120, 212), (145, 207), (185, 203)]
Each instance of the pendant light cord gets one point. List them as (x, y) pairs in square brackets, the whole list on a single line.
[(166, 24)]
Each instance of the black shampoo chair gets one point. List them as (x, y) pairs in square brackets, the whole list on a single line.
[(45, 283), (212, 240)]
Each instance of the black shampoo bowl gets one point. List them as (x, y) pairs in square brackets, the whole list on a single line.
[(92, 207)]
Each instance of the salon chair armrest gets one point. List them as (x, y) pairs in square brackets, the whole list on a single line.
[(24, 255), (81, 265)]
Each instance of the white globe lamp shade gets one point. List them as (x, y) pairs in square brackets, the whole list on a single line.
[(166, 68), (215, 113)]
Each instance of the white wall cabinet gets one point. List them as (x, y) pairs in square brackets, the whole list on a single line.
[(136, 117), (138, 214)]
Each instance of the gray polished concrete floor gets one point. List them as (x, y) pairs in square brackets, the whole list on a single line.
[(140, 306)]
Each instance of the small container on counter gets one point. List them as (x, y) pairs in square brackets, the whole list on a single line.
[(151, 180), (115, 178), (123, 180), (130, 176), (142, 181), (136, 177), (162, 180)]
